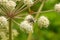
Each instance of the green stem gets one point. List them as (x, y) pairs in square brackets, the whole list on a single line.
[(40, 8), (25, 8), (10, 29), (29, 36), (29, 9)]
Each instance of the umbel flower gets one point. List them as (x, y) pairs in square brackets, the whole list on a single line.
[(43, 22), (10, 10), (27, 24), (57, 7)]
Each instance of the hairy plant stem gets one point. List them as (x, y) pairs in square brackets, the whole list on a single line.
[(10, 29), (39, 10)]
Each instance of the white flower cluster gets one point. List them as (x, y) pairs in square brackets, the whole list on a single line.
[(3, 22), (4, 30), (8, 3), (11, 4), (3, 36), (28, 2), (27, 25), (29, 18), (43, 22), (57, 7)]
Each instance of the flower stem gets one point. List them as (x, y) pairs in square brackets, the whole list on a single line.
[(30, 33), (25, 8), (10, 29), (40, 8), (29, 36)]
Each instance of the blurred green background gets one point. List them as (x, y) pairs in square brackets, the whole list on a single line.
[(52, 32)]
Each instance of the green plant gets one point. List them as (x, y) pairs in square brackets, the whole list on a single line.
[(44, 28)]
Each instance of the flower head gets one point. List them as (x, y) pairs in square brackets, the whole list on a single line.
[(43, 22), (25, 26), (29, 18), (57, 7), (11, 4)]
